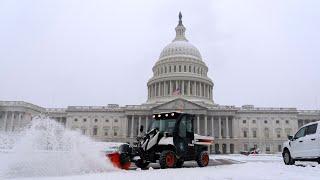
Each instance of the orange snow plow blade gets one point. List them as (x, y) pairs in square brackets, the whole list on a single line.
[(116, 161)]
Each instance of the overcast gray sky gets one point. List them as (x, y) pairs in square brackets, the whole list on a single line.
[(71, 52)]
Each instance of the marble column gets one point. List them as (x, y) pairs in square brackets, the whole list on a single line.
[(171, 89), (132, 122), (194, 88), (206, 125), (164, 88), (198, 124), (5, 121), (139, 126), (159, 84), (12, 120), (188, 93), (147, 123), (182, 88), (212, 126), (227, 127), (176, 85), (20, 119), (219, 126)]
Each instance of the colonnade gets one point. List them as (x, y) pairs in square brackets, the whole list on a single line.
[(180, 87)]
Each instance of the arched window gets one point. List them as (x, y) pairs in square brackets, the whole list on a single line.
[(115, 131), (106, 130), (278, 132), (95, 131), (266, 133), (83, 130)]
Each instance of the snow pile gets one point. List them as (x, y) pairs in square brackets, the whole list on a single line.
[(46, 148)]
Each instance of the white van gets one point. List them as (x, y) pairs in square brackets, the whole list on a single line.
[(304, 145)]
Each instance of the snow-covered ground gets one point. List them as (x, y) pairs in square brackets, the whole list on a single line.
[(254, 167), (48, 151)]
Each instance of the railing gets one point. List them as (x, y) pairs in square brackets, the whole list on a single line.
[(52, 110), (309, 112)]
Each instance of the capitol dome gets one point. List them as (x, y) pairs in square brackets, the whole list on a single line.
[(180, 72), (178, 48)]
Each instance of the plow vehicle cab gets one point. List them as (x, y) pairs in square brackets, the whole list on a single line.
[(170, 141)]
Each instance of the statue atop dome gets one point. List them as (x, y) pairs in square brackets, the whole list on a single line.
[(180, 18)]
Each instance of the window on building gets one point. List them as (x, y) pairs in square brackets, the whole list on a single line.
[(116, 120), (279, 148), (179, 68), (277, 121), (278, 131), (95, 120), (84, 120), (107, 120), (254, 133), (169, 69), (287, 121), (106, 131), (244, 121), (266, 133), (115, 131), (245, 147), (245, 133), (95, 131), (288, 132), (265, 121), (253, 121), (165, 69), (75, 119), (267, 148), (185, 68), (174, 69), (189, 68), (83, 131)]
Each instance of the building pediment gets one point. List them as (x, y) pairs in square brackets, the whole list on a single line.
[(178, 105)]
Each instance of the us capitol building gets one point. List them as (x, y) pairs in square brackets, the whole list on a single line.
[(179, 83)]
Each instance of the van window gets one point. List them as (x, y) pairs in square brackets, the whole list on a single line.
[(300, 133), (311, 129)]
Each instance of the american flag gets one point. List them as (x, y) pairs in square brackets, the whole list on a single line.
[(177, 92)]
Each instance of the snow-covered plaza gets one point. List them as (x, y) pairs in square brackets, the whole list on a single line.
[(251, 167)]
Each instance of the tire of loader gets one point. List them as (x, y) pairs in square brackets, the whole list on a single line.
[(203, 159), (140, 164), (167, 159), (179, 163)]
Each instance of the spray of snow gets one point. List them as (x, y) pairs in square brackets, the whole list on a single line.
[(46, 148)]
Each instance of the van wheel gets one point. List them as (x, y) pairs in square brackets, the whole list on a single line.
[(203, 159), (167, 159), (287, 159)]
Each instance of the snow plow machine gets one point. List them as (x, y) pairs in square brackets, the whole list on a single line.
[(170, 142)]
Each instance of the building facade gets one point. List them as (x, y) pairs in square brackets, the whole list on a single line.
[(179, 83)]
